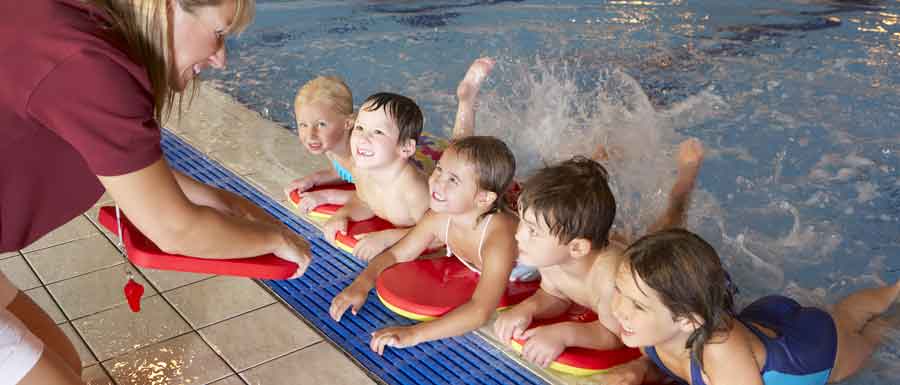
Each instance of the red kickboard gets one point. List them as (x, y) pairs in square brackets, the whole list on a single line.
[(143, 252), (326, 210), (430, 288), (348, 241), (581, 361)]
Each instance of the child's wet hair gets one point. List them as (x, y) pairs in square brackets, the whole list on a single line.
[(689, 277), (573, 199), (405, 113), (494, 164), (328, 89)]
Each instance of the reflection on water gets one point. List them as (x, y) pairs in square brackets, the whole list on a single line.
[(795, 102)]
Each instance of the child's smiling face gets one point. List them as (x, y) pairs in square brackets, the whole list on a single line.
[(453, 184), (374, 139), (320, 127), (645, 320)]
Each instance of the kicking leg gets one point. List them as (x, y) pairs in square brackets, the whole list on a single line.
[(467, 92), (690, 157), (859, 330)]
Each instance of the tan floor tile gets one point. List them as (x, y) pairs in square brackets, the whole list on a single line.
[(215, 299), (168, 280), (8, 254), (87, 358), (315, 365), (41, 297), (94, 292), (233, 380), (19, 273), (259, 336), (76, 229), (94, 375), (119, 331), (74, 258), (183, 360)]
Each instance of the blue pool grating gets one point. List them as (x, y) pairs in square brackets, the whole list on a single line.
[(466, 359)]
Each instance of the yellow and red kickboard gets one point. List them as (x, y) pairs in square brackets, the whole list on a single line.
[(579, 361), (325, 211), (143, 252), (426, 289), (347, 241)]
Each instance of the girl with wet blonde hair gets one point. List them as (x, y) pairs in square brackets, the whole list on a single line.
[(86, 85)]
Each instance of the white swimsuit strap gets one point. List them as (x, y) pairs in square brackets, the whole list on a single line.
[(483, 233), (480, 244)]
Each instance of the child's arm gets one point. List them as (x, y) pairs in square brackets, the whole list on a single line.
[(500, 255), (355, 209), (466, 93), (690, 157), (511, 323), (372, 244), (544, 344), (312, 199), (354, 296), (321, 177)]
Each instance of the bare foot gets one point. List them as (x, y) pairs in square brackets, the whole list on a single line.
[(471, 83), (690, 155)]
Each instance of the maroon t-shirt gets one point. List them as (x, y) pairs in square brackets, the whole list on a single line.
[(73, 105)]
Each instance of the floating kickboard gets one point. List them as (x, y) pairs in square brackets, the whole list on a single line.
[(322, 212), (582, 361), (426, 289), (348, 241)]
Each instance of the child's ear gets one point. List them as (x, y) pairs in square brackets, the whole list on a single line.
[(485, 198), (348, 124), (408, 149), (579, 247), (689, 323)]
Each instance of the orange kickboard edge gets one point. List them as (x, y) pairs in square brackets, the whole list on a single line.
[(429, 288), (322, 211), (144, 253)]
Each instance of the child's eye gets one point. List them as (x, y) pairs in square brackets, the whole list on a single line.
[(454, 180), (379, 132), (531, 231), (301, 125), (358, 128), (321, 124)]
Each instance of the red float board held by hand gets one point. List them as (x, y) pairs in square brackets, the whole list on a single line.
[(582, 361), (322, 211), (143, 252), (348, 241), (429, 288)]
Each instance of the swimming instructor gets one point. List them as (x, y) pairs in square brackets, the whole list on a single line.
[(84, 85)]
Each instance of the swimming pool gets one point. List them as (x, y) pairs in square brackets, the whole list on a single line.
[(795, 101)]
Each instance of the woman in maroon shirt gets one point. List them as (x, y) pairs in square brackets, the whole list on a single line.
[(85, 85)]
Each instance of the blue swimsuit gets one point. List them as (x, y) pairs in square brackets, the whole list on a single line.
[(345, 175), (802, 353)]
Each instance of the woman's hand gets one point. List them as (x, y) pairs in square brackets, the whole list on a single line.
[(295, 249)]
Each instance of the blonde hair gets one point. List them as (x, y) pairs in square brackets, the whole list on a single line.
[(329, 89), (144, 26)]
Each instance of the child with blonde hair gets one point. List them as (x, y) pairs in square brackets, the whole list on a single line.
[(323, 109)]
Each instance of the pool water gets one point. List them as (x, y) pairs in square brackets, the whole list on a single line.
[(795, 101)]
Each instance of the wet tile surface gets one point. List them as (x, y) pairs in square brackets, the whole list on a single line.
[(118, 331), (182, 360)]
